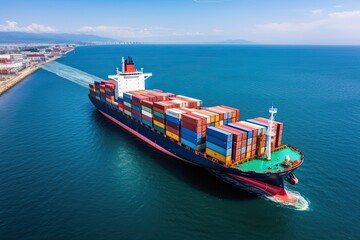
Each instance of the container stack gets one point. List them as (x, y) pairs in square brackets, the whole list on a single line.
[(226, 114), (159, 114), (239, 143), (279, 127), (278, 130), (249, 138), (173, 123), (260, 140), (147, 112), (187, 101), (193, 131), (136, 108), (92, 90), (97, 90), (127, 98), (219, 145)]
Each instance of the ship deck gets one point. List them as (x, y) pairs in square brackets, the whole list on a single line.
[(262, 165)]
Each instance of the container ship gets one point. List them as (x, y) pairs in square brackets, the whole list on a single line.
[(247, 153)]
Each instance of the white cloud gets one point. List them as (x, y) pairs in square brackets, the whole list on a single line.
[(340, 27), (345, 14), (12, 26), (290, 26), (216, 30), (126, 32), (182, 34), (317, 12)]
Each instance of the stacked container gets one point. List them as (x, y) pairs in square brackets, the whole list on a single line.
[(239, 143), (226, 114), (279, 127), (127, 97), (159, 114), (147, 112), (260, 140), (187, 101), (193, 131), (249, 137), (173, 123), (92, 90), (219, 144)]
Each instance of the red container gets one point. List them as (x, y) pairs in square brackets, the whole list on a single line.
[(147, 103), (136, 112), (159, 119), (173, 125), (173, 130), (127, 108), (147, 118), (193, 120), (192, 127)]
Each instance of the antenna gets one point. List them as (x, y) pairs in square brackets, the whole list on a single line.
[(270, 132)]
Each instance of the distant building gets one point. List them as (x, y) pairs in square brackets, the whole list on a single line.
[(36, 57), (10, 63)]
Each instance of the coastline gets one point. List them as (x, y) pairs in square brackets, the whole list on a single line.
[(12, 81)]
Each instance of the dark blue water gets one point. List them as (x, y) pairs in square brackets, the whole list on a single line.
[(66, 172)]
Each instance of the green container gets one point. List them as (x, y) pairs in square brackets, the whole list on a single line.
[(160, 115), (159, 129)]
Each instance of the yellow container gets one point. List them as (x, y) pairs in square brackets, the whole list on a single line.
[(159, 124), (102, 90), (172, 135), (218, 156), (248, 154), (217, 124), (212, 116)]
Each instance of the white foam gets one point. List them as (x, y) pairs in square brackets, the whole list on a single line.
[(301, 204), (72, 74)]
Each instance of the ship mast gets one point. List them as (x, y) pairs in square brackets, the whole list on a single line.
[(270, 132)]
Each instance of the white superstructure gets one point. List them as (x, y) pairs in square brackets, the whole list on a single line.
[(129, 79), (270, 132)]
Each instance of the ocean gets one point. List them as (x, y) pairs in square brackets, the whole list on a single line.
[(66, 172)]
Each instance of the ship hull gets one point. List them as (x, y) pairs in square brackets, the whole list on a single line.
[(270, 183)]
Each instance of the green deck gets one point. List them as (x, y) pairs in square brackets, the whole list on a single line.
[(273, 165)]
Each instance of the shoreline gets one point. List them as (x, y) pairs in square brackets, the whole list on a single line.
[(14, 80)]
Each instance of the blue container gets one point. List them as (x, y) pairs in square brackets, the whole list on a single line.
[(191, 145), (127, 100), (190, 132), (216, 148), (172, 119), (212, 124), (147, 122), (136, 108), (127, 96), (109, 93), (97, 83), (243, 150), (191, 138), (249, 131), (136, 117), (158, 114), (218, 142), (220, 134), (159, 129)]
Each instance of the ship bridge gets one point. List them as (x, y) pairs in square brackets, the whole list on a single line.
[(129, 79)]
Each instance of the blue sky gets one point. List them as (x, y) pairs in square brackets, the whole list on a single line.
[(186, 21)]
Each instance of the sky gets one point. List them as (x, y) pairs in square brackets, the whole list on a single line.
[(190, 21)]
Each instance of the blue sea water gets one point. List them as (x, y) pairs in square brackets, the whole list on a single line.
[(66, 172)]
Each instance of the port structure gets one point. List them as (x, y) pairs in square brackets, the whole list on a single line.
[(270, 132)]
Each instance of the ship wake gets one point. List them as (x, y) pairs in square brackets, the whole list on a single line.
[(301, 204), (72, 74)]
